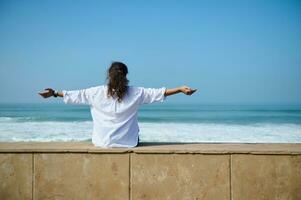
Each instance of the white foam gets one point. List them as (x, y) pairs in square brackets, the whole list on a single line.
[(6, 119), (155, 132), (254, 133), (45, 131)]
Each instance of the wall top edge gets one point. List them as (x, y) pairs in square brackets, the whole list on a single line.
[(168, 148)]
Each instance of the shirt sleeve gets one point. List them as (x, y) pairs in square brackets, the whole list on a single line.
[(150, 95), (83, 96)]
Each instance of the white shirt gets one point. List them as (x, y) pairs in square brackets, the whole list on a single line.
[(115, 123)]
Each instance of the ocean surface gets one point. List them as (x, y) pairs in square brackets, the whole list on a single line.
[(158, 122)]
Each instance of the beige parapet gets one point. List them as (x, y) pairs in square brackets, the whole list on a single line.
[(266, 177), (81, 176), (202, 148), (16, 176), (180, 176), (79, 170)]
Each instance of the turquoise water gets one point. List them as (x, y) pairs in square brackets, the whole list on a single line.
[(159, 122)]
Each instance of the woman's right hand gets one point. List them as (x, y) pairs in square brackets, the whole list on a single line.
[(47, 93)]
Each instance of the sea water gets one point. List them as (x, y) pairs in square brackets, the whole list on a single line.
[(158, 122)]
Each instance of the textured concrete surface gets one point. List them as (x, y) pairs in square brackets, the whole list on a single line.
[(180, 176), (15, 176), (205, 148), (263, 177), (78, 170), (81, 176)]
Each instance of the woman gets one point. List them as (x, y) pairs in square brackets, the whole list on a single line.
[(114, 106)]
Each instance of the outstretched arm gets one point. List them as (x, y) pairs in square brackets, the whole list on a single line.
[(82, 96), (184, 89)]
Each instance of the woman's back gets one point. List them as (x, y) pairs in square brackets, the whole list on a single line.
[(115, 122)]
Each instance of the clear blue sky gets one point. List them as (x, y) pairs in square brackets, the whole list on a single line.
[(234, 52)]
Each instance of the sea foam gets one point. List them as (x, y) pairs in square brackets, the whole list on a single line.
[(14, 130)]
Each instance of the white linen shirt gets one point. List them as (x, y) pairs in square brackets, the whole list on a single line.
[(115, 124)]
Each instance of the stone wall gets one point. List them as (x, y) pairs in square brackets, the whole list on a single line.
[(150, 171)]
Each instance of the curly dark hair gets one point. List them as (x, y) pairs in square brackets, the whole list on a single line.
[(117, 80)]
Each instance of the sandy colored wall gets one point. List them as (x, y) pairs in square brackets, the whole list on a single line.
[(153, 171)]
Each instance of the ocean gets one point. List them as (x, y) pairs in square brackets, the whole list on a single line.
[(158, 122)]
